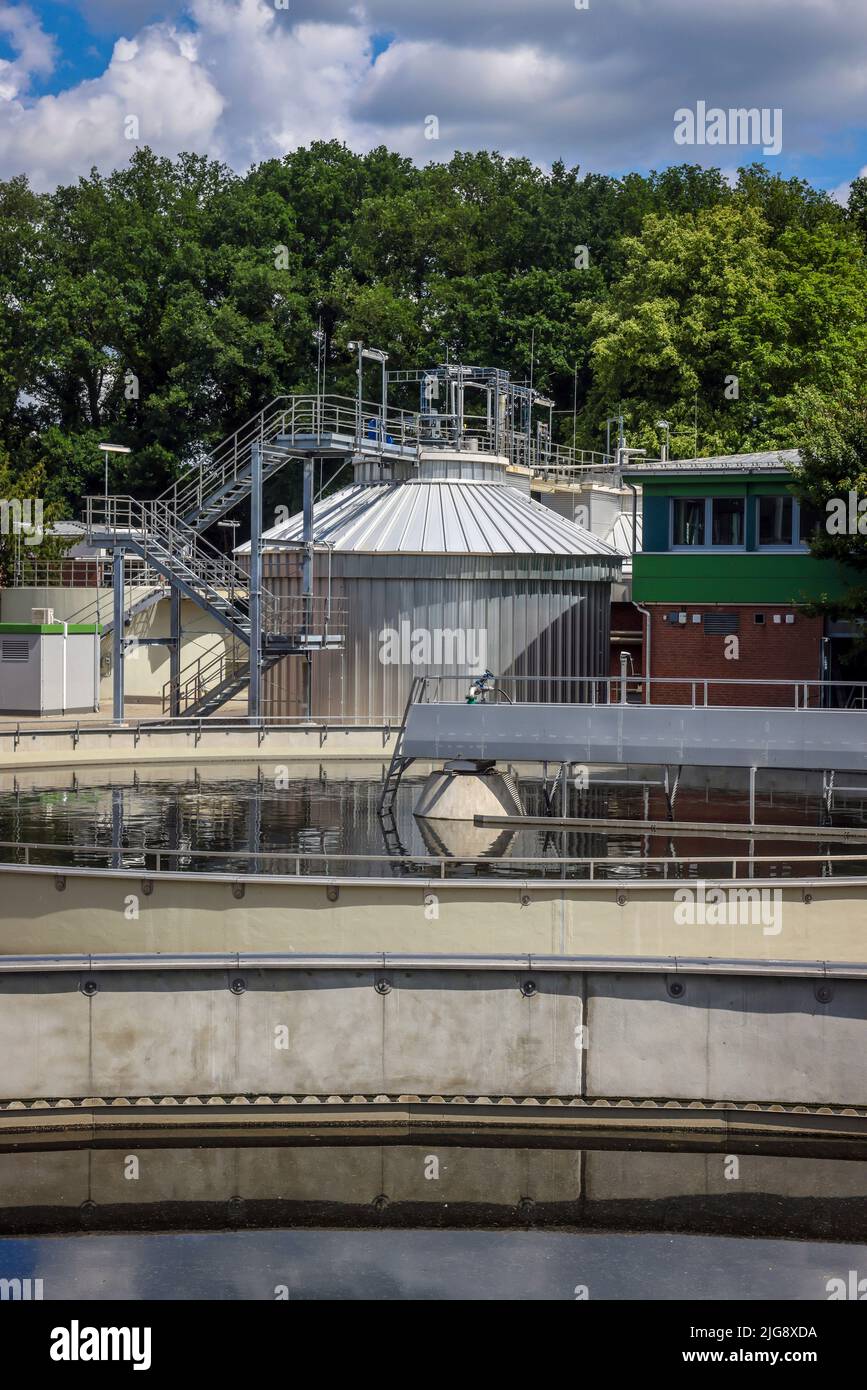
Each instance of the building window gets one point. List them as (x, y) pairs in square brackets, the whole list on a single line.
[(727, 523), (776, 515), (810, 520), (688, 521)]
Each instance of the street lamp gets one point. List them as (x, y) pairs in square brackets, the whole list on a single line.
[(319, 339), (372, 355), (112, 449), (664, 425)]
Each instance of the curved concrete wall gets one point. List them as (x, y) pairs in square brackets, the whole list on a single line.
[(466, 1032)]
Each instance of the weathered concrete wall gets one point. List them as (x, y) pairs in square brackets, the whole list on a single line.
[(447, 1032), (131, 745), (819, 920)]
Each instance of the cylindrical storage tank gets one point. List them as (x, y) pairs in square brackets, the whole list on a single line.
[(447, 573)]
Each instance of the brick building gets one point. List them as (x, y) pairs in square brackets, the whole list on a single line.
[(722, 578)]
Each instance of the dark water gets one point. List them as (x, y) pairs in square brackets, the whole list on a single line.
[(214, 822), (394, 1265)]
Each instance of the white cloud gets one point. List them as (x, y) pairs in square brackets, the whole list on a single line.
[(104, 14), (242, 80), (154, 78), (34, 49), (840, 194)]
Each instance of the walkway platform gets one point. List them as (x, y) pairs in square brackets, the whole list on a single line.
[(705, 736)]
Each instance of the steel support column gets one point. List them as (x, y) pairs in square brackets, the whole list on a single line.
[(117, 635), (254, 706), (307, 576), (175, 653)]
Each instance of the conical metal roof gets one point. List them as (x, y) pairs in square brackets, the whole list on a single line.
[(439, 517)]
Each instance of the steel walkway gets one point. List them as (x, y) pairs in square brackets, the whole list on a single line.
[(670, 735)]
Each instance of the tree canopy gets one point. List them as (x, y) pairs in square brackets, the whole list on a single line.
[(164, 304)]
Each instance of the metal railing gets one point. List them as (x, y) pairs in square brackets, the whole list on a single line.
[(72, 573), (308, 619), (204, 676), (227, 463), (697, 692), (364, 427), (385, 726), (170, 545), (157, 859)]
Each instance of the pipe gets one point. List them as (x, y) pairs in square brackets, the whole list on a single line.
[(646, 613), (63, 687), (118, 636)]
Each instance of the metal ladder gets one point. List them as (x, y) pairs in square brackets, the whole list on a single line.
[(396, 768)]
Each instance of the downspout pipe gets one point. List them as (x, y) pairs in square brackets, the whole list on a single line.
[(642, 610), (646, 613)]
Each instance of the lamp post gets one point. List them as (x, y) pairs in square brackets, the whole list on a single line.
[(664, 426), (372, 355), (111, 449), (230, 526), (320, 341)]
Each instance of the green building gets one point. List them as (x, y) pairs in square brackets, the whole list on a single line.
[(725, 555)]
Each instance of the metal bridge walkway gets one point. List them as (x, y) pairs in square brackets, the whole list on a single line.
[(794, 738)]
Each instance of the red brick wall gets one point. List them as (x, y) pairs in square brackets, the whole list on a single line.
[(773, 651)]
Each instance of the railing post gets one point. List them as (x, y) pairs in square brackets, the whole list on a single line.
[(255, 591)]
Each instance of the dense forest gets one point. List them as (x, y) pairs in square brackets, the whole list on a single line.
[(164, 304)]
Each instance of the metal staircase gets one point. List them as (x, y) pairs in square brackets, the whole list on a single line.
[(206, 493), (209, 682), (222, 588), (201, 572)]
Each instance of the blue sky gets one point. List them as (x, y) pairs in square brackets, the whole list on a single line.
[(244, 80)]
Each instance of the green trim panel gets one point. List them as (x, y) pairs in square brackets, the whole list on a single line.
[(51, 628), (718, 485), (676, 577)]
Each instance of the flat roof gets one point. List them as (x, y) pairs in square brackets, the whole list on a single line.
[(768, 461)]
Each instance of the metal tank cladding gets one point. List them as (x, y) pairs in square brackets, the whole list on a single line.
[(446, 567)]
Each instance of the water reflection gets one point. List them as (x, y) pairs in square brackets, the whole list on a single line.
[(289, 816), (442, 1265)]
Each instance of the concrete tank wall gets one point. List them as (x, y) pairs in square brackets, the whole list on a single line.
[(464, 1031)]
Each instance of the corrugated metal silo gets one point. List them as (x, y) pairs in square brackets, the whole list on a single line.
[(446, 570)]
